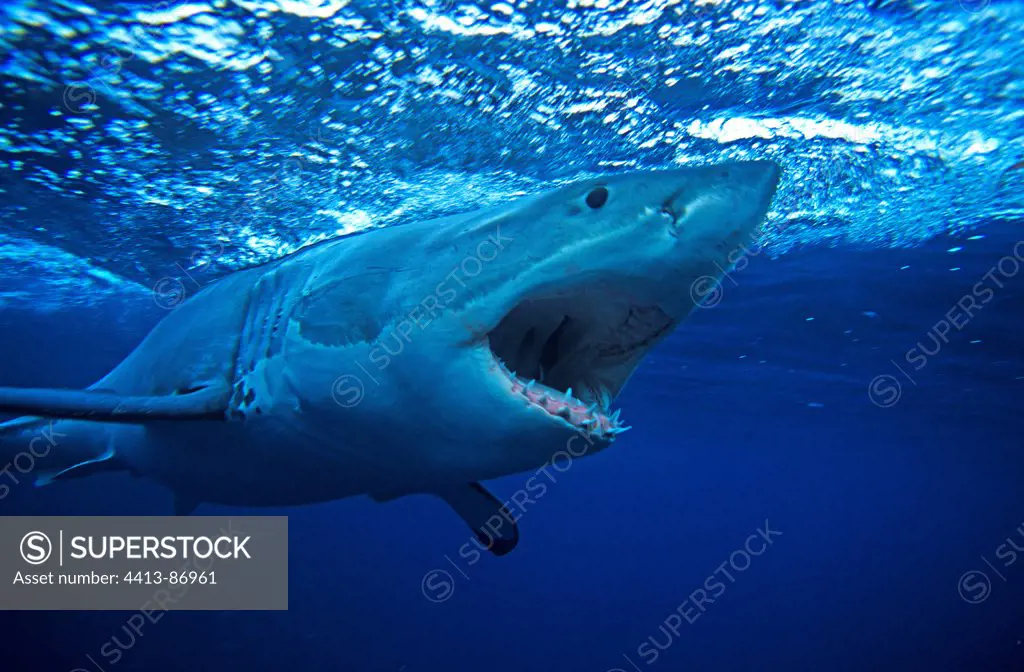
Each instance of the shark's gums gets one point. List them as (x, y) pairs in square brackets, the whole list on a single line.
[(414, 359)]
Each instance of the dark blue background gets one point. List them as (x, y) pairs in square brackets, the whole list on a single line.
[(881, 510)]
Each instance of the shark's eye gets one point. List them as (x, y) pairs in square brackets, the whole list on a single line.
[(597, 197)]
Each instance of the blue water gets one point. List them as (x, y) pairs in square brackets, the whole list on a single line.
[(146, 150)]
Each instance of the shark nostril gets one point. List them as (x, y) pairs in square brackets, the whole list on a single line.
[(674, 208), (673, 211)]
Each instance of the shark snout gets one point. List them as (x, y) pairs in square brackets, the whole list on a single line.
[(747, 186), (762, 177), (723, 203), (767, 172)]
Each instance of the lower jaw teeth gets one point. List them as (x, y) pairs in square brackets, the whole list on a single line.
[(598, 407)]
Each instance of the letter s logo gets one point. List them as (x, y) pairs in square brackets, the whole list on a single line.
[(36, 548)]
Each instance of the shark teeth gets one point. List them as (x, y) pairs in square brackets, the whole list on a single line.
[(594, 418)]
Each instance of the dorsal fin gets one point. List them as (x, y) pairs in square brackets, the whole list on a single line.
[(206, 403)]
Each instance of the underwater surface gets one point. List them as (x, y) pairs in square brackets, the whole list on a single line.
[(850, 393)]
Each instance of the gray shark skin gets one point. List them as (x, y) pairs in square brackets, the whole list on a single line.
[(419, 358)]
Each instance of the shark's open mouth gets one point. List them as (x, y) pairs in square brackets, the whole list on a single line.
[(570, 354)]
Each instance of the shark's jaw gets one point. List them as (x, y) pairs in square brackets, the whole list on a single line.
[(598, 272), (568, 354)]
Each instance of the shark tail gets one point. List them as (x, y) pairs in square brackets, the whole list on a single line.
[(38, 451), (23, 450), (14, 434), (71, 433)]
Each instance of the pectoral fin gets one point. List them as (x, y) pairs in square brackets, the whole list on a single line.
[(486, 516), (204, 403)]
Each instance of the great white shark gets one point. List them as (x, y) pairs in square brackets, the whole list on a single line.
[(418, 358)]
